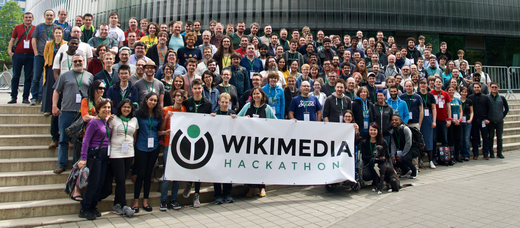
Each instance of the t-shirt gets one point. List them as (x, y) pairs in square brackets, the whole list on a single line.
[(20, 31), (428, 100), (213, 50), (67, 83), (66, 63), (144, 132), (301, 105), (133, 59), (455, 108), (413, 102), (185, 53), (115, 33), (96, 41), (167, 124), (466, 108), (441, 100), (144, 87), (176, 42), (118, 137), (42, 33), (84, 47)]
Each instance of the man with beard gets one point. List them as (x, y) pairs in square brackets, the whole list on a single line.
[(74, 84), (283, 40), (271, 51), (350, 90), (483, 88), (266, 39), (242, 50), (293, 54), (329, 87), (337, 103), (219, 34), (391, 69), (380, 78), (103, 39), (354, 47), (132, 27), (335, 65), (412, 52), (310, 50), (250, 62), (272, 66), (399, 106), (254, 32), (263, 54), (326, 53), (236, 38)]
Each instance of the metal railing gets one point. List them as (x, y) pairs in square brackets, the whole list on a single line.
[(508, 78)]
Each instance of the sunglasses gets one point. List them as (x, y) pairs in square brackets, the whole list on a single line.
[(77, 61), (101, 88)]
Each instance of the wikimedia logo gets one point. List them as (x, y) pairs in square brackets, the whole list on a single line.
[(192, 150)]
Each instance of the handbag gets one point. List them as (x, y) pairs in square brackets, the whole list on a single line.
[(75, 130)]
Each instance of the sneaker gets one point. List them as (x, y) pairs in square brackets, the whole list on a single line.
[(86, 214), (26, 101), (187, 189), (33, 101), (175, 206), (404, 175), (96, 212), (47, 113), (118, 209), (432, 166), (196, 202), (59, 170), (128, 211), (164, 206), (39, 102), (218, 201), (12, 101), (413, 177), (229, 199), (500, 155)]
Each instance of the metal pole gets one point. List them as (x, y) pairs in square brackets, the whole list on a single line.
[(509, 89)]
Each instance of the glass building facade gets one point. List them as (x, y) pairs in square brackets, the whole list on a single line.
[(489, 30)]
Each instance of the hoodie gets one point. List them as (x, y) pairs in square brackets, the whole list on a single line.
[(401, 108), (361, 110), (276, 100)]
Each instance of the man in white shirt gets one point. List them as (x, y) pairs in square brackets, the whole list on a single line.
[(115, 32)]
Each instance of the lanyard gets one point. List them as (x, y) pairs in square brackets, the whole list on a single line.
[(393, 70), (426, 101), (153, 85), (340, 104), (197, 105), (125, 127), (271, 93), (225, 59), (81, 80), (371, 149), (409, 101), (256, 112), (463, 107), (106, 127), (220, 112), (331, 88), (104, 41), (27, 32), (106, 77), (226, 89), (438, 96), (123, 97), (251, 64), (88, 33), (494, 100), (49, 31), (151, 42), (161, 55), (306, 103), (151, 124), (189, 81)]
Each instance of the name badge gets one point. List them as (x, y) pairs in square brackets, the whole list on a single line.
[(124, 148), (26, 44), (150, 142), (483, 124), (426, 112), (365, 124), (306, 116), (341, 119), (399, 153), (441, 105), (410, 114), (108, 151), (251, 75), (274, 110), (78, 98), (456, 116), (256, 116), (464, 119)]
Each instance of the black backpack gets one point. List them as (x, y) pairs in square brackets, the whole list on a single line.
[(417, 138)]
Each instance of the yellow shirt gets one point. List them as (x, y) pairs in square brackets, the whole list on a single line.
[(285, 74), (226, 62), (149, 41)]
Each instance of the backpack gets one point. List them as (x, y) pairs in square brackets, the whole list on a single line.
[(417, 138)]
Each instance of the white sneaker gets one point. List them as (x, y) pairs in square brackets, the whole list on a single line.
[(432, 166), (196, 202)]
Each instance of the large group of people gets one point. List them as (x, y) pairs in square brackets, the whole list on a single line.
[(127, 84)]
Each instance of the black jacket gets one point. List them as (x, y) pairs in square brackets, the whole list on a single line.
[(382, 115), (153, 54), (481, 105), (357, 109)]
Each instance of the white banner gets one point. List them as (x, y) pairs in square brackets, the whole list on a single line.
[(259, 151)]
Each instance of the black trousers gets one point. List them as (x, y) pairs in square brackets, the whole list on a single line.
[(120, 168), (406, 164), (97, 162), (455, 138), (144, 162), (219, 187)]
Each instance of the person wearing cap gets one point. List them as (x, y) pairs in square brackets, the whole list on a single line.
[(149, 83), (484, 88), (371, 86)]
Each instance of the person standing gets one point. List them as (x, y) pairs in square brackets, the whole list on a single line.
[(305, 107), (414, 104), (42, 33), (442, 101), (74, 85), (381, 113), (107, 75), (399, 106), (336, 104), (454, 131), (62, 17), (149, 84), (481, 107), (275, 95), (22, 54), (429, 119), (497, 112)]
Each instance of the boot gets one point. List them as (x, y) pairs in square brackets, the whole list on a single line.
[(500, 155), (457, 156), (491, 154)]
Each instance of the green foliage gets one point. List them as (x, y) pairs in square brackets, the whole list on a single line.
[(10, 15)]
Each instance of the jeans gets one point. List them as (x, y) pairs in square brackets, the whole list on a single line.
[(65, 120), (166, 183), (120, 168), (37, 80), (440, 134), (97, 161), (499, 128), (26, 61), (145, 162), (476, 130), (465, 142)]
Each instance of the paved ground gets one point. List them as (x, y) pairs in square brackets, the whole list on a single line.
[(473, 194)]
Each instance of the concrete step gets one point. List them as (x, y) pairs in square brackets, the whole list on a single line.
[(511, 130), (24, 119), (64, 206), (511, 124), (512, 118), (32, 178), (12, 152), (25, 140), (509, 139), (515, 111), (29, 164), (20, 109), (24, 129), (508, 146)]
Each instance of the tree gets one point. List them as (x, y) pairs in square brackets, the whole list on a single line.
[(10, 15)]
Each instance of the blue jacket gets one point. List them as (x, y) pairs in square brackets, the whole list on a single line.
[(400, 106), (114, 94), (212, 96), (66, 29), (299, 81), (276, 99)]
